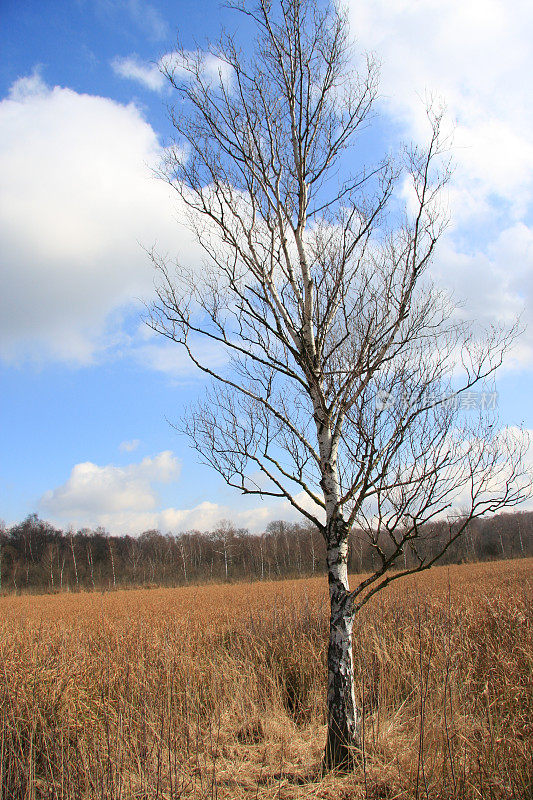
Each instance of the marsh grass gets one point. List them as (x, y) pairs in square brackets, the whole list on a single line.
[(218, 691)]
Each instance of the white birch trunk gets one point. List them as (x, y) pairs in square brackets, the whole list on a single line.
[(344, 718), (112, 564), (520, 536), (74, 560), (225, 563), (182, 550)]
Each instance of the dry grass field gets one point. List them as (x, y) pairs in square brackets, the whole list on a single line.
[(218, 691)]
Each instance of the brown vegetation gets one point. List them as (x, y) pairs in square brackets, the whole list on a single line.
[(204, 692)]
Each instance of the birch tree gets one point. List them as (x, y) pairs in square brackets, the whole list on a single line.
[(333, 361)]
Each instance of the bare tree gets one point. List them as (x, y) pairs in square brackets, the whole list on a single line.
[(335, 383), (224, 537), (73, 553), (48, 561), (112, 559), (61, 571), (90, 561)]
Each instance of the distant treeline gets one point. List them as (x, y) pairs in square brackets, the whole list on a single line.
[(36, 556)]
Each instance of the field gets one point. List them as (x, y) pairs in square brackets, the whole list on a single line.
[(218, 691)]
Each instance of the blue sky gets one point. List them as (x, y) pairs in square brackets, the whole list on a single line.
[(85, 387)]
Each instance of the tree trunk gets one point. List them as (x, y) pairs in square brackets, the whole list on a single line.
[(344, 720)]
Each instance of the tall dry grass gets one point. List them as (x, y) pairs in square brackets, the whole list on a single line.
[(218, 692)]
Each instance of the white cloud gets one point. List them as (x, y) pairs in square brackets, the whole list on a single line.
[(473, 56), (94, 493), (172, 359), (204, 516), (212, 67), (131, 67), (28, 87), (255, 518), (150, 76), (124, 500), (129, 447), (497, 281), (78, 198), (511, 439)]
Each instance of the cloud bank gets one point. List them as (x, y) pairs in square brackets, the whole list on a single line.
[(125, 500), (78, 200), (474, 57)]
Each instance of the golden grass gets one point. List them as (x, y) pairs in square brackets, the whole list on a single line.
[(218, 691)]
